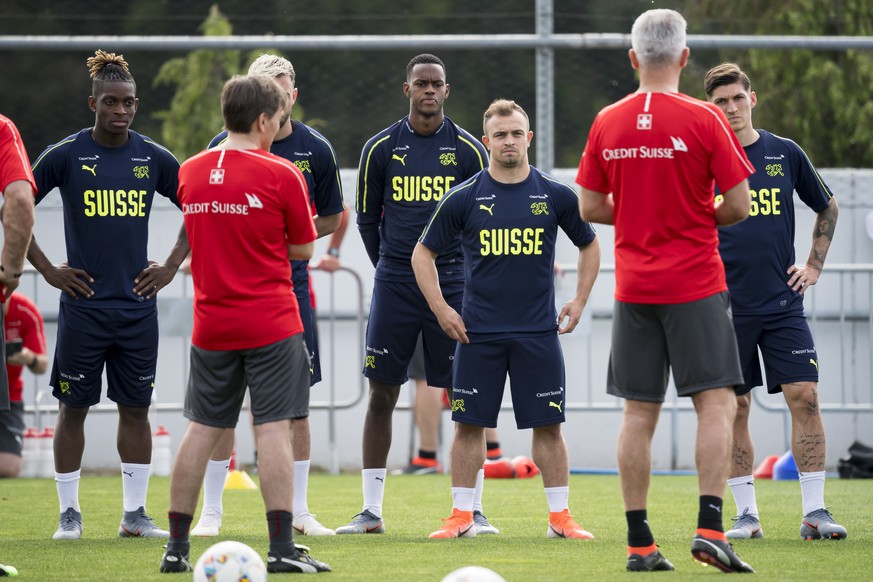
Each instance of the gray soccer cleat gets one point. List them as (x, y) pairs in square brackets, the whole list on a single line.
[(136, 524), (746, 526), (363, 523), (69, 526), (482, 525), (820, 524)]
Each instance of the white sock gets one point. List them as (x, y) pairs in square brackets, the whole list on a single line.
[(213, 486), (558, 498), (301, 484), (134, 485), (743, 490), (68, 489), (812, 490), (374, 490), (480, 486), (462, 498)]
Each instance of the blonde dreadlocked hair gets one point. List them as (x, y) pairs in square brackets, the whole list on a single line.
[(105, 66)]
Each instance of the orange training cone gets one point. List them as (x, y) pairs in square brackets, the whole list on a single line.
[(765, 469)]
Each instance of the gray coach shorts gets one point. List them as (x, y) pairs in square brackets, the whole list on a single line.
[(277, 376), (696, 340), (12, 428)]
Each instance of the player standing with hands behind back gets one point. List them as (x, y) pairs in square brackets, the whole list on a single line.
[(246, 213), (767, 299), (648, 168)]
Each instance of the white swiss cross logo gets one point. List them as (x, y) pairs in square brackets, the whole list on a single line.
[(216, 176), (644, 121)]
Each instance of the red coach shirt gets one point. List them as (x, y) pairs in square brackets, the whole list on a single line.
[(14, 164), (242, 208), (660, 154), (24, 322)]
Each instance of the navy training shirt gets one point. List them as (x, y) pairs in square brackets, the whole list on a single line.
[(401, 177), (508, 237), (107, 196), (758, 251)]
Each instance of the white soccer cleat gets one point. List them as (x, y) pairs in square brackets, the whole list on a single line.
[(306, 524), (209, 525)]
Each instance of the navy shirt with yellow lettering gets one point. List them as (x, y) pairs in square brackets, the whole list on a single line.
[(401, 177), (508, 237), (758, 251), (107, 195)]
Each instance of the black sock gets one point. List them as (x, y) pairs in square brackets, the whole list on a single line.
[(638, 533), (710, 516), (427, 454), (279, 526), (493, 451), (180, 524)]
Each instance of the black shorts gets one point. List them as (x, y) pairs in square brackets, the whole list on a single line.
[(786, 345), (535, 366), (12, 428), (695, 340), (125, 341), (277, 376), (398, 315)]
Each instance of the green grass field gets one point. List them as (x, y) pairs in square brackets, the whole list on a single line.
[(413, 508)]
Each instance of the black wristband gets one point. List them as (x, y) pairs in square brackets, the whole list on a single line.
[(334, 252), (33, 361)]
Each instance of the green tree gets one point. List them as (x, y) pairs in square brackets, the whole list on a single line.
[(821, 99), (194, 116)]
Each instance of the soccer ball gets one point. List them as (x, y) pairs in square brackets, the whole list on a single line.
[(473, 574), (230, 562)]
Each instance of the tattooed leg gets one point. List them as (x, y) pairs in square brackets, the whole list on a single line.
[(743, 453), (807, 427)]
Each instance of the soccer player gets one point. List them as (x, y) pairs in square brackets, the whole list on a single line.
[(107, 176), (246, 212), (648, 168), (767, 290), (25, 330), (508, 218), (18, 188), (404, 171), (315, 158)]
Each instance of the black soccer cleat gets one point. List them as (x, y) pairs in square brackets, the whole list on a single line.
[(175, 562), (297, 562), (718, 553), (653, 562)]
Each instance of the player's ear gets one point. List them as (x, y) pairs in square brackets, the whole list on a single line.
[(406, 88), (92, 103), (753, 98), (633, 59)]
